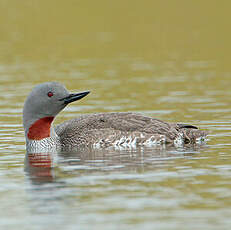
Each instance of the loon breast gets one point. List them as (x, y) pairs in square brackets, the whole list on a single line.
[(49, 144)]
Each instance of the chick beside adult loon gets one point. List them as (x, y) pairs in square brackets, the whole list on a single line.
[(46, 100)]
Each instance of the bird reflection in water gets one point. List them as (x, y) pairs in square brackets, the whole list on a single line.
[(40, 167)]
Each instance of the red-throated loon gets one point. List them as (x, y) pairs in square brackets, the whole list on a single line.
[(97, 130)]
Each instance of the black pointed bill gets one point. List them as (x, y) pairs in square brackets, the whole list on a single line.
[(74, 97)]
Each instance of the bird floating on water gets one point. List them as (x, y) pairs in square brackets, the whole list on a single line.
[(46, 100)]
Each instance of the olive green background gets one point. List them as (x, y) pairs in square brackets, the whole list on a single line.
[(167, 59)]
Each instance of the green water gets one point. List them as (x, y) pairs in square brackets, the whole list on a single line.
[(165, 59)]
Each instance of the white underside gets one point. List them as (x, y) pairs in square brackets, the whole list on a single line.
[(152, 141), (45, 145), (129, 141), (50, 145)]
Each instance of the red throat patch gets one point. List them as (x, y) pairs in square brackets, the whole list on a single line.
[(40, 129)]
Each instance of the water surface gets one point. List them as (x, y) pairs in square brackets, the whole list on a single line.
[(162, 60)]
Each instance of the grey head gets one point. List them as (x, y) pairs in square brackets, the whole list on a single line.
[(47, 100)]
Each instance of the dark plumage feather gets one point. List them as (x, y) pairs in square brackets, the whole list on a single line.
[(181, 126), (108, 128)]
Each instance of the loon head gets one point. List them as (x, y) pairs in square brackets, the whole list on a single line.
[(43, 103)]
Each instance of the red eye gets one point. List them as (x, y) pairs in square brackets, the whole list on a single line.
[(50, 94)]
